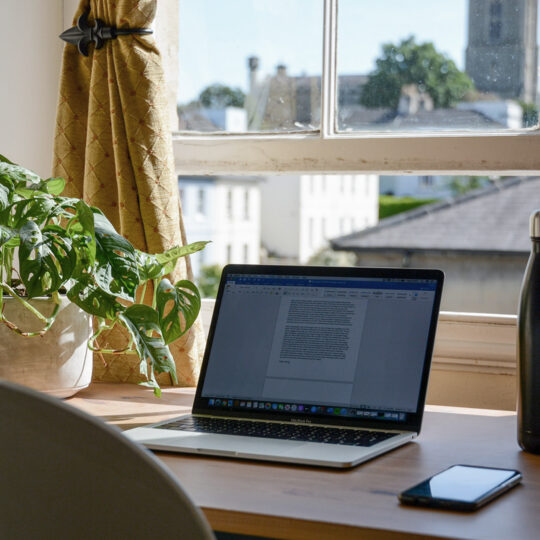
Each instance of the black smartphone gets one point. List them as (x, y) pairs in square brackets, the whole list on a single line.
[(461, 487)]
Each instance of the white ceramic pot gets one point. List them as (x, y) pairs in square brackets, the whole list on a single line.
[(58, 363)]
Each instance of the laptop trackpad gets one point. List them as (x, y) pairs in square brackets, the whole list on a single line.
[(225, 444)]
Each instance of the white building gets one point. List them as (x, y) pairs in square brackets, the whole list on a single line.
[(225, 210), (301, 213)]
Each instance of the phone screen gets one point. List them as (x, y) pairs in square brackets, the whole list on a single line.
[(463, 484)]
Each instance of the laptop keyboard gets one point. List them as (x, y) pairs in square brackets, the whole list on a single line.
[(272, 430)]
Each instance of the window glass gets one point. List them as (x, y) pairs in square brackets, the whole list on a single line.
[(431, 65), (460, 224), (250, 65)]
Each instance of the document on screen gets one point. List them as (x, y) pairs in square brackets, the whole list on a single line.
[(315, 346)]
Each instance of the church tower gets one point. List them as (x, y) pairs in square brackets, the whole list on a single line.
[(502, 52)]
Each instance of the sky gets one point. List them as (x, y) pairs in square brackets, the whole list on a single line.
[(217, 36)]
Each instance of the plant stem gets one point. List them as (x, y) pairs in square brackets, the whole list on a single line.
[(26, 304), (103, 326), (154, 296), (48, 321), (141, 299)]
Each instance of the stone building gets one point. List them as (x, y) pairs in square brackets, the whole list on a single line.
[(502, 52)]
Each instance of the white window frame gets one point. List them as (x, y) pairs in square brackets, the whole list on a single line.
[(327, 151)]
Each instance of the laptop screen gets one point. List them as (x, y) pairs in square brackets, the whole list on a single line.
[(351, 346)]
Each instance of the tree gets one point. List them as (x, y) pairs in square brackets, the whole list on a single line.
[(413, 63), (390, 205), (218, 96), (208, 281), (530, 114), (462, 184)]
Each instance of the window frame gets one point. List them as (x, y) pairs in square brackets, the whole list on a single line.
[(328, 151)]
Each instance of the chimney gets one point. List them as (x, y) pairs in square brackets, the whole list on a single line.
[(253, 64), (281, 70), (412, 100)]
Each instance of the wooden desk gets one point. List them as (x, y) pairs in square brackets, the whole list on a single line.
[(285, 501)]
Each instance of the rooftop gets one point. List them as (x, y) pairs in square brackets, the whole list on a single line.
[(470, 223)]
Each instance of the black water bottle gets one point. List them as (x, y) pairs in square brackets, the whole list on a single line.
[(528, 347)]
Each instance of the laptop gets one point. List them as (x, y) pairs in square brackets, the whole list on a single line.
[(322, 366)]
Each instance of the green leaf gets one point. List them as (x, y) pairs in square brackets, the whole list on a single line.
[(83, 236), (143, 324), (51, 186), (54, 186), (46, 259), (37, 209), (168, 258), (152, 383), (89, 297), (116, 269), (175, 302), (4, 197), (17, 174), (4, 159), (149, 267), (6, 235)]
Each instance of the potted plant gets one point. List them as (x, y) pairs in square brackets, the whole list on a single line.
[(63, 250)]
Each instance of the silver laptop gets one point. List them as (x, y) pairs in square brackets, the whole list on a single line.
[(320, 366)]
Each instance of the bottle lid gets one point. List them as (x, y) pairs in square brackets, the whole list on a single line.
[(535, 224)]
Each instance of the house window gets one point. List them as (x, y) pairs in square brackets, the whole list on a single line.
[(246, 204), (246, 253), (495, 21), (311, 232), (201, 197), (229, 204)]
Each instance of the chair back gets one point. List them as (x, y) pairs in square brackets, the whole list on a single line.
[(65, 474)]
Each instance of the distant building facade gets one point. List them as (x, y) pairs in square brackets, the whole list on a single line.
[(502, 52), (225, 210), (301, 213)]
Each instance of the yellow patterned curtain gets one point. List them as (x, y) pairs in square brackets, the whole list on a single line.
[(113, 146)]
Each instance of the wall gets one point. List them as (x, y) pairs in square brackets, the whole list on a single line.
[(215, 224), (166, 36), (280, 200), (30, 59), (470, 280), (335, 205)]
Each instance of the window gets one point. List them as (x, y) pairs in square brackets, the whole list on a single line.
[(311, 232), (332, 135), (495, 22), (200, 201), (330, 146), (246, 204), (418, 139), (229, 204)]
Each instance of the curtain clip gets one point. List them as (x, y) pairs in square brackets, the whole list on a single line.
[(83, 34)]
